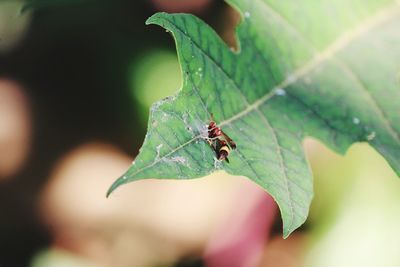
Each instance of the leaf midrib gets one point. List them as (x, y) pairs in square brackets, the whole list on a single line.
[(341, 42), (350, 73), (329, 53)]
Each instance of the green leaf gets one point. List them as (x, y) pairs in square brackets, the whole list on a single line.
[(327, 69)]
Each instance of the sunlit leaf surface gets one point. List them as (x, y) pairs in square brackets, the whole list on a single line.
[(327, 69)]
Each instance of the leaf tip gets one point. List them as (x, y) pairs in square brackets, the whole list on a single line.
[(289, 226), (155, 18), (287, 232), (291, 223), (120, 181)]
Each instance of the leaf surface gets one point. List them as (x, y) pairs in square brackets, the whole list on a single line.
[(326, 69)]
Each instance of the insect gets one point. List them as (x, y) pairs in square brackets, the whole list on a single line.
[(219, 141)]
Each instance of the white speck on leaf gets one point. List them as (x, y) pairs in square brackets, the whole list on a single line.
[(158, 150), (247, 14), (179, 159), (217, 164), (280, 91), (164, 117), (185, 118), (356, 120), (202, 129)]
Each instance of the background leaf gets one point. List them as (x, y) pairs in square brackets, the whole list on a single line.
[(304, 68)]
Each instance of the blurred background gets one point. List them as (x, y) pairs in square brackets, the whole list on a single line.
[(77, 78)]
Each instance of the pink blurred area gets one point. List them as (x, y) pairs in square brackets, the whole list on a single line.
[(15, 127), (241, 236), (173, 6), (153, 221)]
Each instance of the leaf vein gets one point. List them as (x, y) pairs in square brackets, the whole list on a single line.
[(329, 53)]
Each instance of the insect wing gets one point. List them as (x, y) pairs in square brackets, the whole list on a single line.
[(229, 140)]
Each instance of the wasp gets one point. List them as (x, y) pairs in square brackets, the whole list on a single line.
[(221, 143)]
